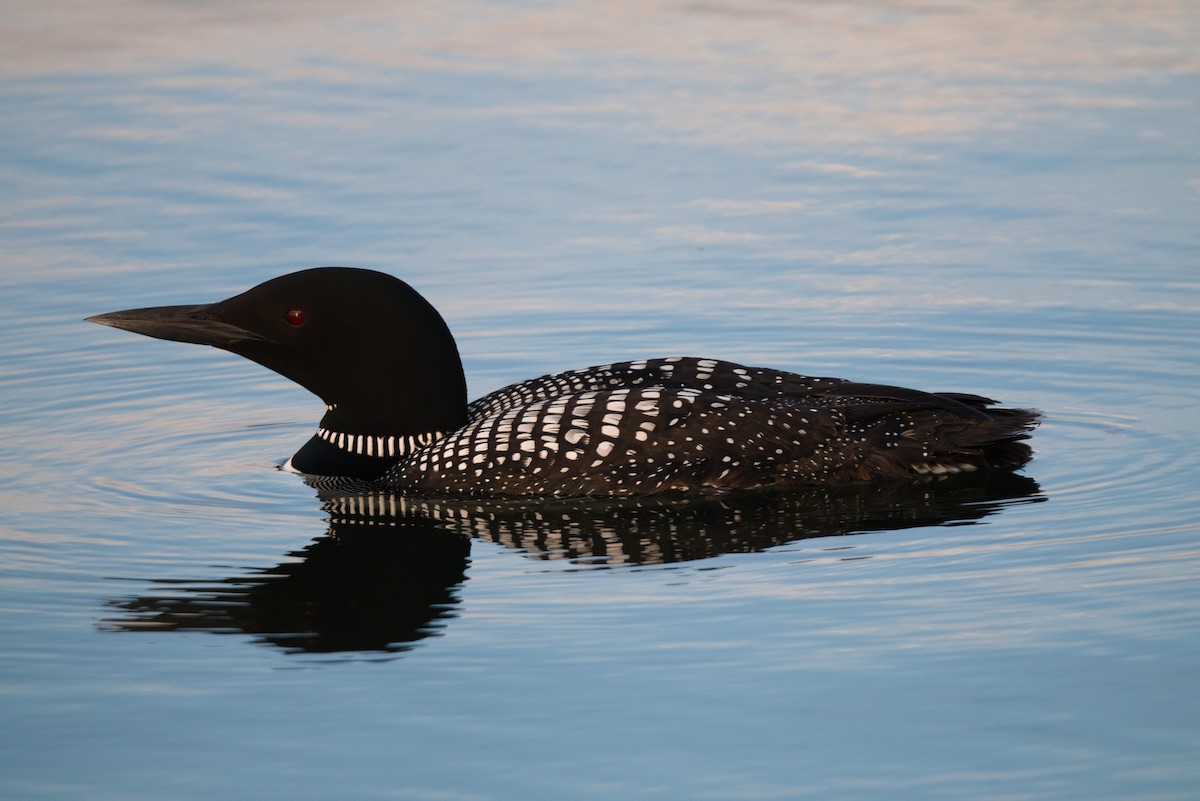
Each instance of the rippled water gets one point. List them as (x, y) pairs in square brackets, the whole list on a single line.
[(998, 198)]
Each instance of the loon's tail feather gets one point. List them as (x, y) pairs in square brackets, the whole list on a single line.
[(1004, 446), (1008, 454), (935, 442), (995, 443)]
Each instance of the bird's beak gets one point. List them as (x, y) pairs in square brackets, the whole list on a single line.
[(196, 324)]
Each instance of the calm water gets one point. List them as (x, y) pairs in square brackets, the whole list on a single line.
[(1001, 198)]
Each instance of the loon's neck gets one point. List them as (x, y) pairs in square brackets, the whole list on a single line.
[(361, 456), (337, 449), (385, 420)]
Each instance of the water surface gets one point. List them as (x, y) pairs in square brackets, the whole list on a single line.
[(997, 198)]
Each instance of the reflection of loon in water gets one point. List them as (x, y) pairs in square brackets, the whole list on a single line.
[(387, 573)]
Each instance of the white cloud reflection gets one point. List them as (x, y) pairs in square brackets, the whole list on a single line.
[(743, 71)]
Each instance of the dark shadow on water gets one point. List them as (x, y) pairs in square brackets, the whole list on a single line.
[(387, 574)]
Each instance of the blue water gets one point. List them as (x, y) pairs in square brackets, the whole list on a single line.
[(1000, 198)]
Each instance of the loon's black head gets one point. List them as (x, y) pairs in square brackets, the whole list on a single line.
[(366, 343)]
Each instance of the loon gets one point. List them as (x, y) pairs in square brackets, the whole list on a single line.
[(386, 365)]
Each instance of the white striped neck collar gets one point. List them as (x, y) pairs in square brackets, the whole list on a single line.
[(384, 446)]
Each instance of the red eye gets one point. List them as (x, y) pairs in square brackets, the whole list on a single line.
[(296, 317)]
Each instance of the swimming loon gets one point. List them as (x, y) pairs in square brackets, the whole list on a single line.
[(388, 369)]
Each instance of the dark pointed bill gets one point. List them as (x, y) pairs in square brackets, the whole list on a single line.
[(193, 324)]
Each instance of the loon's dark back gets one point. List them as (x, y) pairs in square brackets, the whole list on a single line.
[(703, 425)]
